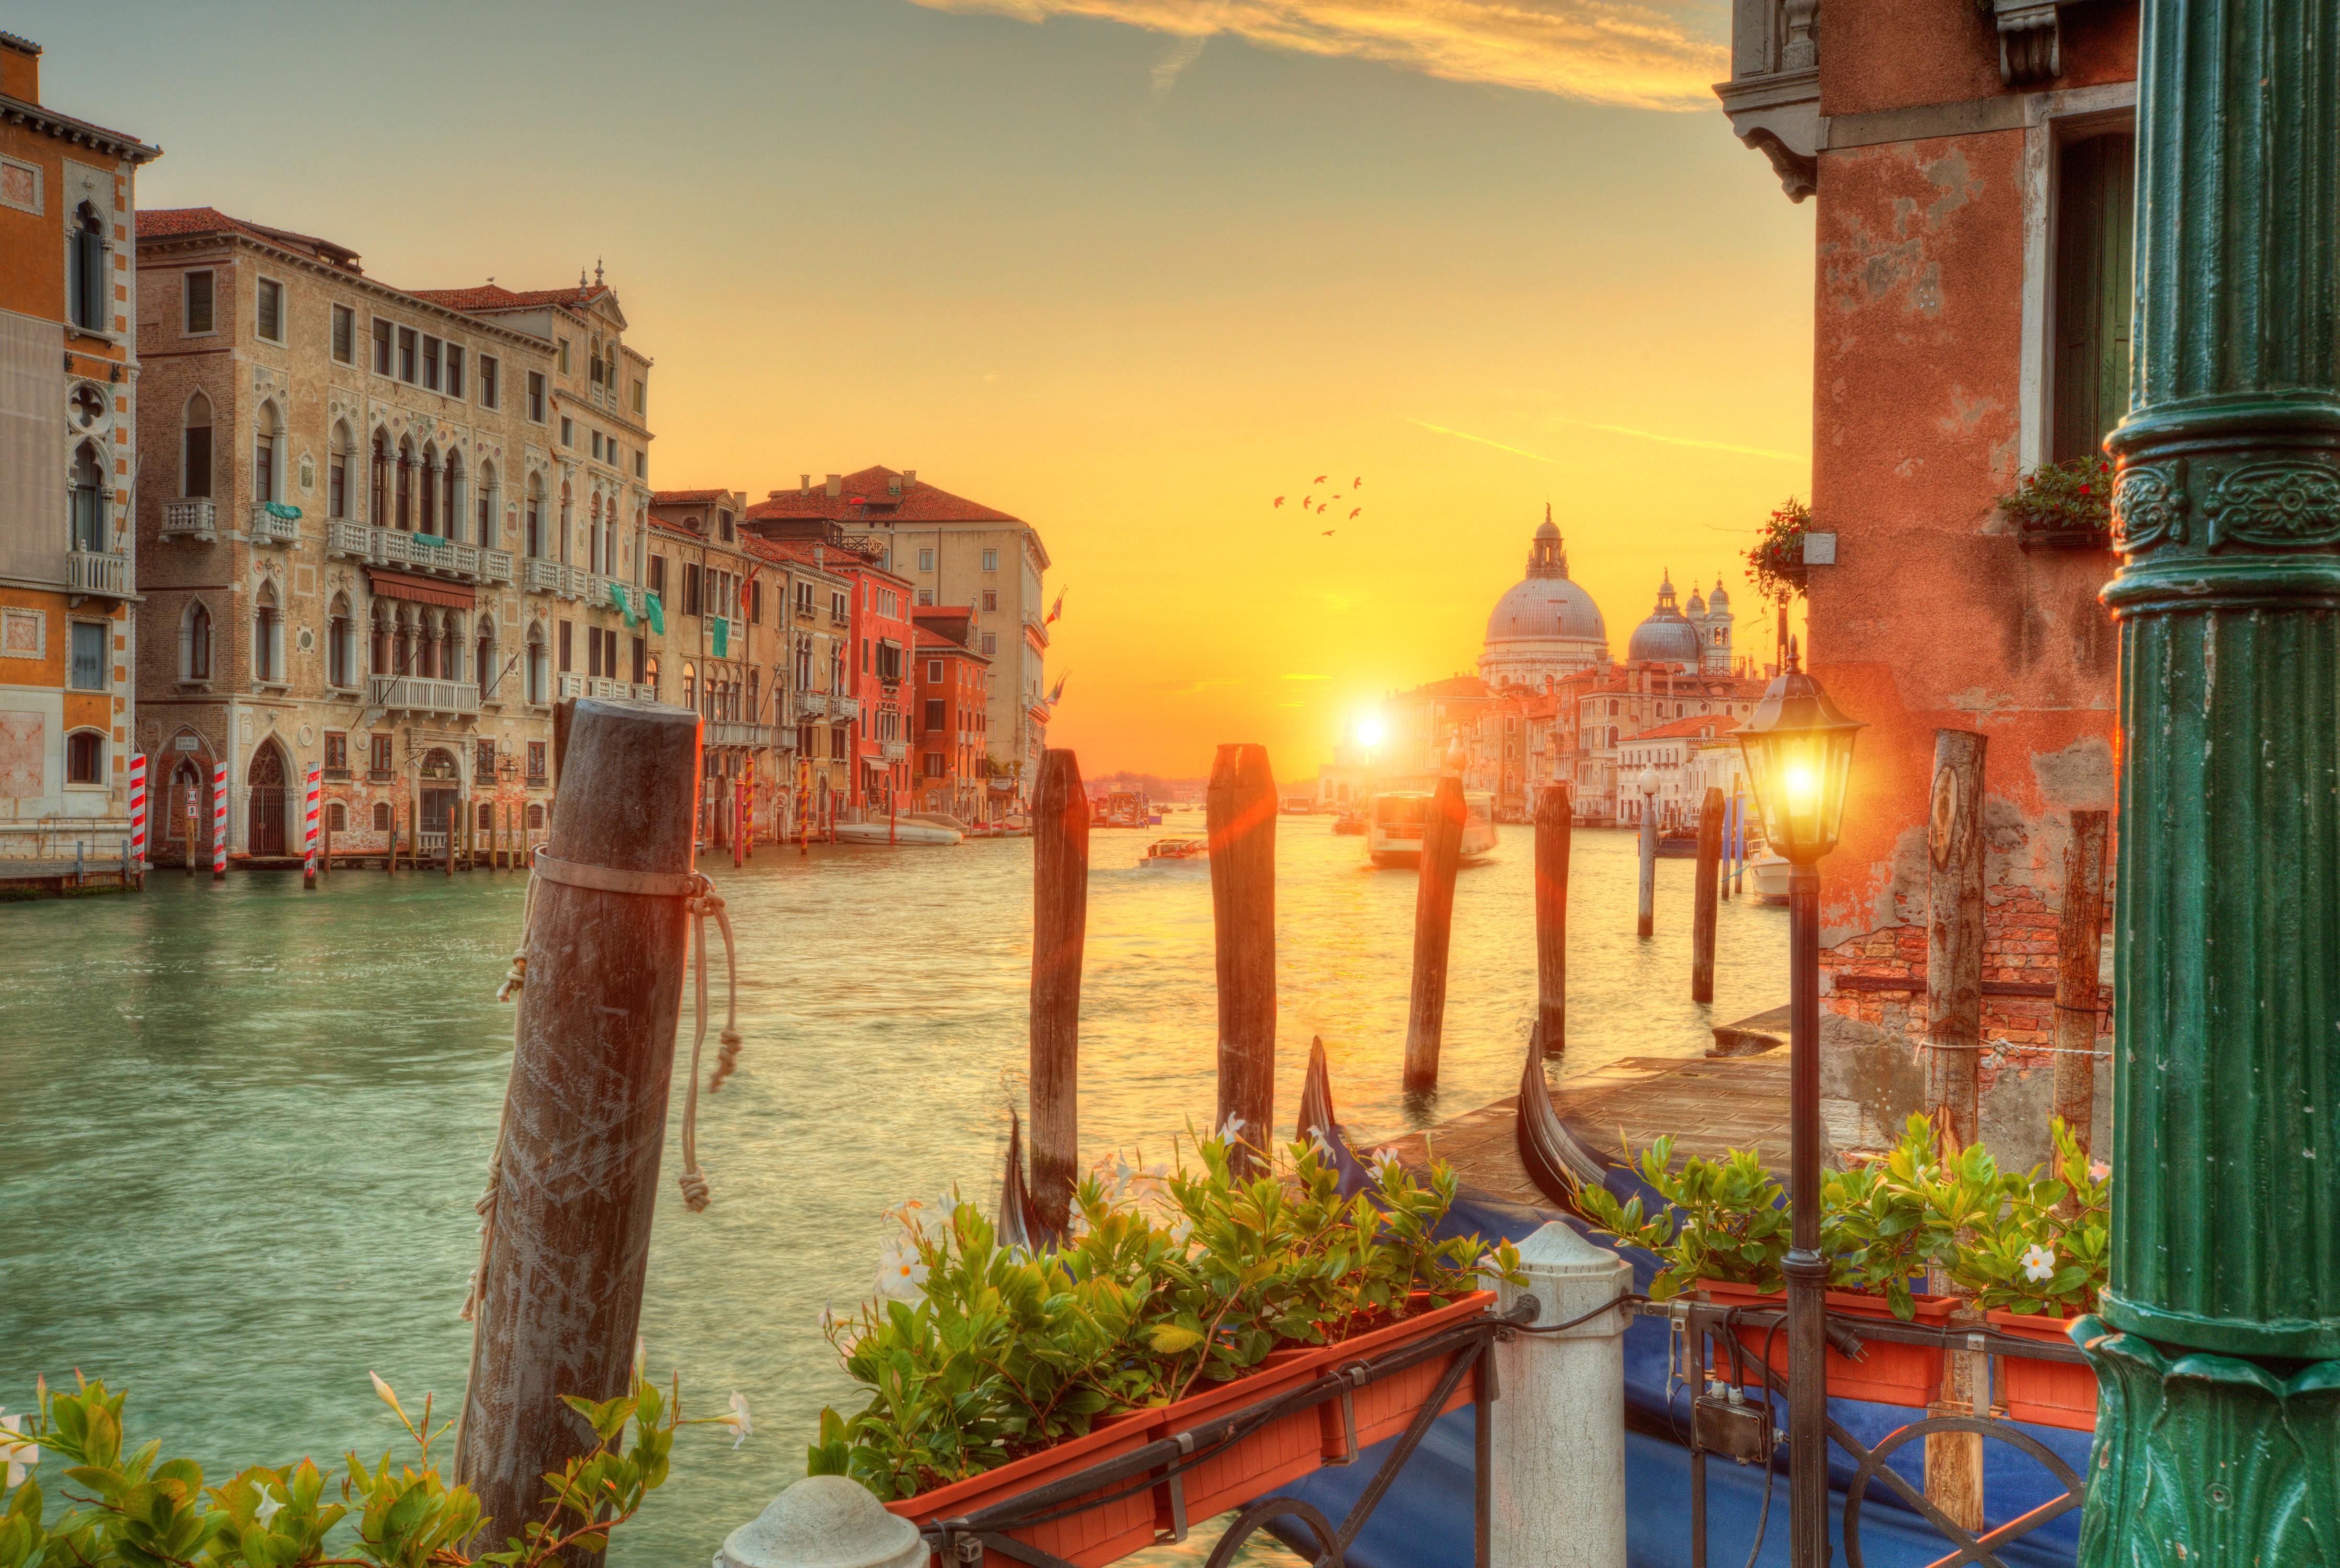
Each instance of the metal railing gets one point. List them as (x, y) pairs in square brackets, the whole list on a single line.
[(266, 528), (420, 694), (99, 571), (191, 517)]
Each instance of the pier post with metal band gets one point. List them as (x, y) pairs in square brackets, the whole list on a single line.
[(1433, 932), (1706, 891), (2217, 1349), (1240, 812), (1060, 911), (574, 1180)]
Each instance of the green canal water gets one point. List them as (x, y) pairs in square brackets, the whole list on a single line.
[(243, 1126)]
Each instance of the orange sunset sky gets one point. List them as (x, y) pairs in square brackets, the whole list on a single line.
[(1127, 268)]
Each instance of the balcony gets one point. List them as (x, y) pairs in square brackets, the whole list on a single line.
[(192, 517), (495, 565), (416, 551), (98, 572), (812, 707), (844, 710), (267, 528), (893, 750), (415, 694), (539, 576), (731, 732)]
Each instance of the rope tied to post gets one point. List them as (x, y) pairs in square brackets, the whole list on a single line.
[(703, 903)]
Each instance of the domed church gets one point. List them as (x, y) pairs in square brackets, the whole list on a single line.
[(1545, 625), (1692, 639)]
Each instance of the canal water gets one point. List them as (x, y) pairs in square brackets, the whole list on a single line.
[(243, 1127)]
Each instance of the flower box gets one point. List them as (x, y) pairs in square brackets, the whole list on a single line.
[(1263, 1462), (1886, 1374), (2046, 1393)]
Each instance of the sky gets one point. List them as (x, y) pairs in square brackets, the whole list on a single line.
[(1128, 269)]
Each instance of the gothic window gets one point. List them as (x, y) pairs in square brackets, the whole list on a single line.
[(341, 646), (378, 511), (430, 466), (88, 498), (267, 437), (337, 473), (267, 636), (89, 292), (195, 447), (405, 501), (195, 642)]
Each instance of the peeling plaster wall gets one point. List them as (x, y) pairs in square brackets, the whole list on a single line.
[(1933, 618)]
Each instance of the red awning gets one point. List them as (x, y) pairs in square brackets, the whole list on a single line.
[(421, 589)]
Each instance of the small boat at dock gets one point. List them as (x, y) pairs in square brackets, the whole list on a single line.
[(900, 833), (1770, 874), (1399, 817), (1350, 822)]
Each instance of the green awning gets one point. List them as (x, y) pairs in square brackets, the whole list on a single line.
[(657, 613), (619, 597), (289, 513), (429, 540), (722, 625)]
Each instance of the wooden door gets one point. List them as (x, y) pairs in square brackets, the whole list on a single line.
[(266, 825)]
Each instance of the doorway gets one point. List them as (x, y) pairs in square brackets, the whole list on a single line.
[(265, 825), (441, 793)]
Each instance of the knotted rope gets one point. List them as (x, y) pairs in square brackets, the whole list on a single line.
[(700, 900)]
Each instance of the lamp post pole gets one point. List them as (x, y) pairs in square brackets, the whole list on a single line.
[(1807, 1271), (2218, 1348)]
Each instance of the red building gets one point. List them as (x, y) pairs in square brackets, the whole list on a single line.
[(952, 685)]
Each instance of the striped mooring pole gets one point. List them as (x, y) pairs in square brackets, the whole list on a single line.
[(219, 821), (316, 783), (138, 815)]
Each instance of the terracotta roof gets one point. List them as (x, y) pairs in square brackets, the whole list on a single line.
[(936, 640), (795, 552), (1722, 724), (120, 143), (676, 528), (687, 497), (496, 297), (863, 498), (172, 223)]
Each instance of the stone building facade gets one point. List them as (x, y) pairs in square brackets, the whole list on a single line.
[(357, 552), (69, 426)]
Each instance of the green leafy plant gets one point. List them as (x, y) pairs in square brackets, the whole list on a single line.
[(139, 1510), (2028, 1244), (975, 1353), (1727, 1219), (1777, 558), (2068, 502)]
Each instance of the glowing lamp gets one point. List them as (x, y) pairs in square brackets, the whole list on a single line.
[(1369, 733), (1798, 751)]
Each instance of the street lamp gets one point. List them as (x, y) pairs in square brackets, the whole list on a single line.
[(1799, 751)]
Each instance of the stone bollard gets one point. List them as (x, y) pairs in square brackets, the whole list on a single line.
[(1558, 1491), (824, 1522)]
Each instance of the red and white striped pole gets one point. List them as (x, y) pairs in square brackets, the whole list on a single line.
[(219, 821), (309, 827), (138, 815)]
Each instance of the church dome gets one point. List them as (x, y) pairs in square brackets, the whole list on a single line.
[(1667, 637), (1544, 626), (1545, 607)]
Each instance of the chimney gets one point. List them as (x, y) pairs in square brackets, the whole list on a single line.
[(837, 485), (910, 478), (804, 484), (20, 68)]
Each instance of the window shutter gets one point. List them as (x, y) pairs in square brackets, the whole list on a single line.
[(2096, 222)]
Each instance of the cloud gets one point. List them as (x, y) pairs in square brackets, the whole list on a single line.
[(1183, 50), (1659, 436), (1482, 441), (1189, 688), (1308, 677), (1647, 53)]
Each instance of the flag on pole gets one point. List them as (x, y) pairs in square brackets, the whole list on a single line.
[(1057, 694), (138, 811), (1057, 609)]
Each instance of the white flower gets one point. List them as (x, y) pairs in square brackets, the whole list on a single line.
[(22, 1455), (2099, 1170), (1386, 1165), (641, 1357), (267, 1507), (737, 1420), (901, 1271), (1324, 1150), (2038, 1263), (1232, 1130)]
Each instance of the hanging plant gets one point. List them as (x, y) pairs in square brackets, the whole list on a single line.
[(1777, 561), (2063, 505)]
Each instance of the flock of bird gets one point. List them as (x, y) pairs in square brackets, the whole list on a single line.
[(1311, 507)]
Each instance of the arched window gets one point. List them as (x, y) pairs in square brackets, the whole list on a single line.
[(337, 473), (267, 437), (267, 636), (185, 800), (378, 635), (483, 660), (85, 758), (425, 661), (535, 815), (689, 686), (381, 815), (90, 295), (568, 518), (609, 537), (401, 643), (532, 526), (1612, 735), (337, 817), (650, 674), (195, 448), (1612, 708), (429, 465), (451, 493), (341, 646), (484, 487), (88, 500), (377, 508), (195, 642), (752, 709), (450, 649), (403, 505), (593, 535), (535, 661)]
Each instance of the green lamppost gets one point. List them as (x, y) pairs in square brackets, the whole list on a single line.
[(2218, 1353)]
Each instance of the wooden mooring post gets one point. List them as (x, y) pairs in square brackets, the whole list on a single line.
[(1646, 912), (1706, 888), (325, 855), (2079, 952), (1240, 816), (1555, 825), (1434, 929), (1954, 932), (575, 1177), (1060, 913)]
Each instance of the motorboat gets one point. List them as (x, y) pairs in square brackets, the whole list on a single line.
[(1396, 820), (901, 831), (1349, 822), (1169, 851), (1770, 874)]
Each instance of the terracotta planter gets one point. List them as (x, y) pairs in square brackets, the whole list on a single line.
[(1887, 1374), (1272, 1457), (2047, 1392)]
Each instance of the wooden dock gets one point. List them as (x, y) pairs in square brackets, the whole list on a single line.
[(55, 879), (1708, 1104)]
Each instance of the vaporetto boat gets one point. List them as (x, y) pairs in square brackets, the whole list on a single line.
[(1398, 818)]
